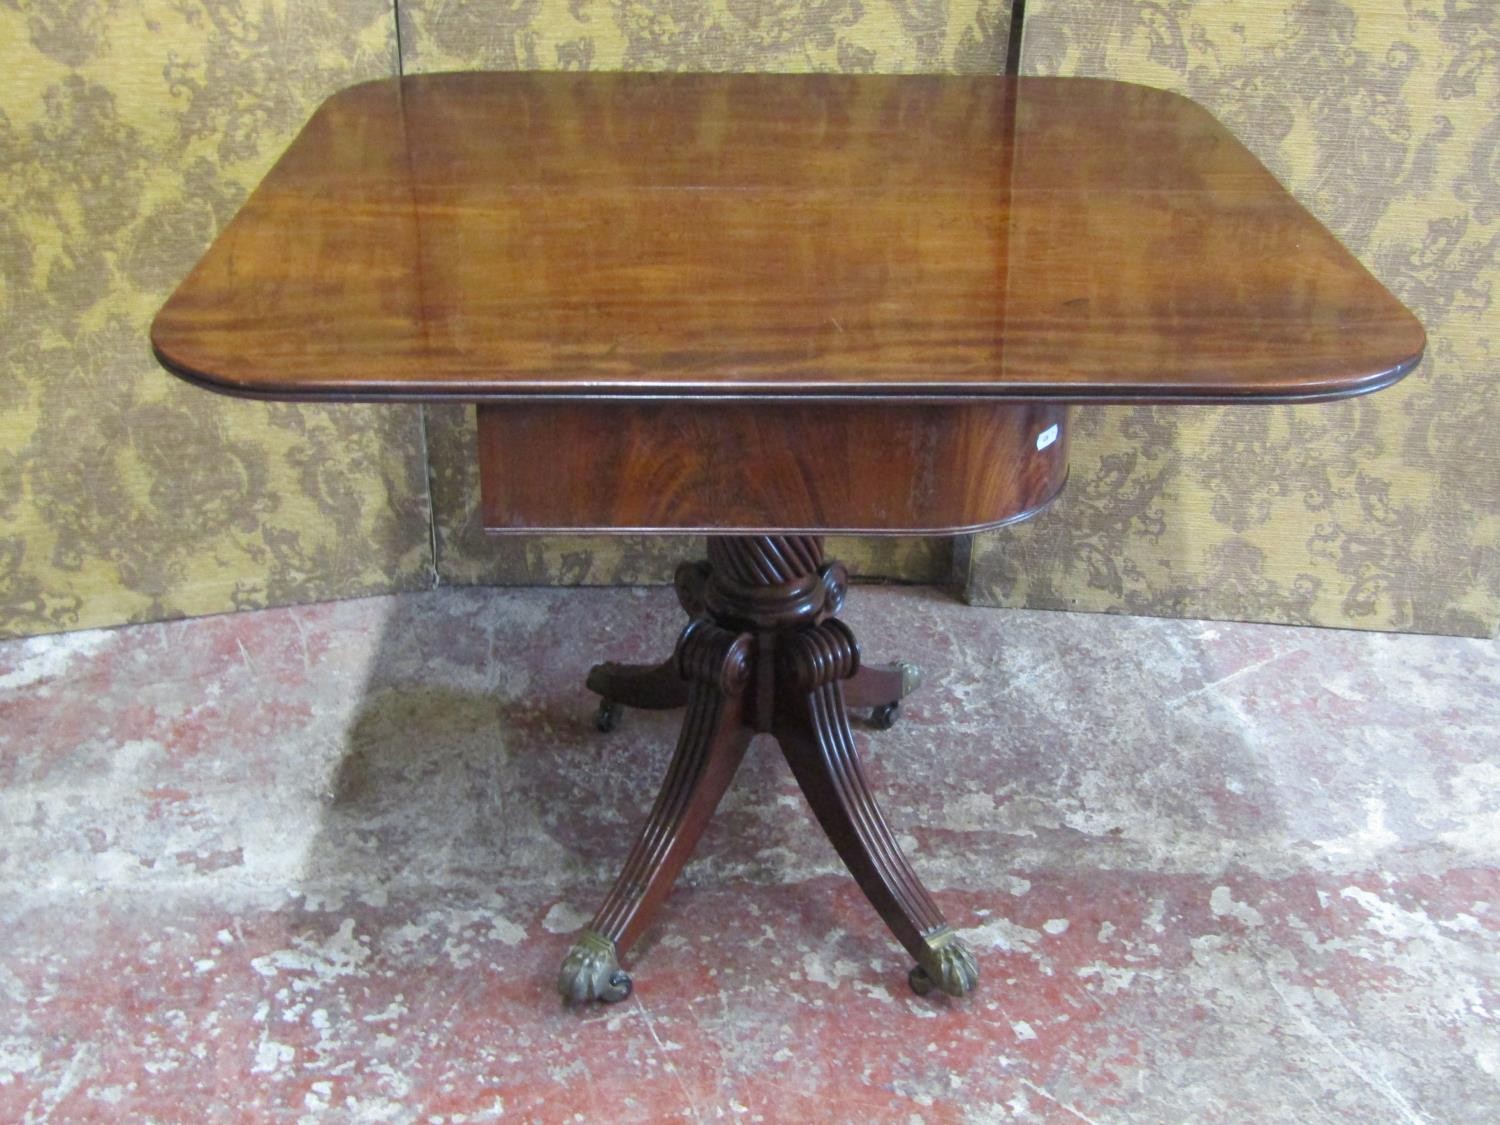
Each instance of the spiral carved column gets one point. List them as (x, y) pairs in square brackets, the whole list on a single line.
[(763, 653)]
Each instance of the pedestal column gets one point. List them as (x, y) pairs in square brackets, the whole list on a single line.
[(763, 653)]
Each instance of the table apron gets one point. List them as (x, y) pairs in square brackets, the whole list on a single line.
[(755, 467)]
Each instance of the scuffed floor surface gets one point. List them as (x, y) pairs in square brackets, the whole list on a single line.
[(322, 863)]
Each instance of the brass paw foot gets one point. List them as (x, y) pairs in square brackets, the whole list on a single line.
[(911, 677), (592, 971), (947, 965)]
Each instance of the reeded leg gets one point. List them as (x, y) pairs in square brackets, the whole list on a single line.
[(658, 687), (813, 728), (715, 665), (765, 653), (882, 687), (650, 687)]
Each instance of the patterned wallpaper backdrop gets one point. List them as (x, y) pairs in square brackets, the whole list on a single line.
[(1383, 116), (731, 35), (130, 131)]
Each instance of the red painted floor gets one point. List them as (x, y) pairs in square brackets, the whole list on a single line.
[(322, 864)]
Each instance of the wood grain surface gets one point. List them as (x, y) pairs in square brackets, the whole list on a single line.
[(483, 236), (871, 468)]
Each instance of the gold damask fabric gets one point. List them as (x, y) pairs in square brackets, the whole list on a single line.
[(130, 131), (783, 35), (1383, 117)]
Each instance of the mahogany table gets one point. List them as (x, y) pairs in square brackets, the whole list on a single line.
[(769, 307)]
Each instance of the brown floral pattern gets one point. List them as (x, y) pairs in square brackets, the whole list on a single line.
[(132, 129), (130, 132), (734, 35), (1379, 513)]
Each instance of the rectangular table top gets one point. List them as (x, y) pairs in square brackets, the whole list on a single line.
[(480, 236)]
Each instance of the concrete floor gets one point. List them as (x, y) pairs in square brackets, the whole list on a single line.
[(323, 863)]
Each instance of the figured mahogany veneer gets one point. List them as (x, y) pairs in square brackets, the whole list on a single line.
[(483, 236), (769, 466)]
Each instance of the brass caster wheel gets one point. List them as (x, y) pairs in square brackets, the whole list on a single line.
[(619, 988), (884, 717), (607, 718), (920, 982)]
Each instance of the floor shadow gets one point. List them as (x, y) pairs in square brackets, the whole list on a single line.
[(475, 802), (473, 781)]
